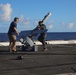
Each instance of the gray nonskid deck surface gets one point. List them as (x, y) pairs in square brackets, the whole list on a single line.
[(60, 60)]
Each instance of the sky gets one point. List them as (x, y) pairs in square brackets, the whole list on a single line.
[(29, 12)]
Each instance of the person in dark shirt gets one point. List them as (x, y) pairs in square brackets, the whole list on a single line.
[(42, 36), (12, 32)]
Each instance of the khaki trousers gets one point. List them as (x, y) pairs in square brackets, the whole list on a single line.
[(12, 42)]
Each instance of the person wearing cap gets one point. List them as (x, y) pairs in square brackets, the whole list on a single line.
[(12, 32), (42, 36)]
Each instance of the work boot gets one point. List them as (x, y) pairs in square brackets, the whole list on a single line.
[(14, 51), (45, 49)]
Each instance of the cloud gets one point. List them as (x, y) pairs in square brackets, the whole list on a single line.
[(6, 12), (24, 21), (36, 22), (63, 23), (50, 24), (71, 25)]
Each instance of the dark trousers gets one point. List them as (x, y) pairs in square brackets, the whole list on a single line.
[(42, 40)]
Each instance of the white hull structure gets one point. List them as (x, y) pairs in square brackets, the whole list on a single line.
[(39, 43)]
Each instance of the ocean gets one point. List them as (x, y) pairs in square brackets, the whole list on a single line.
[(50, 36)]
